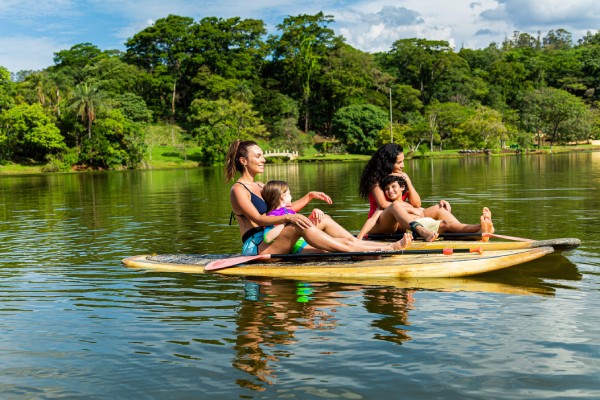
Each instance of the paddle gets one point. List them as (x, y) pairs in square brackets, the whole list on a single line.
[(518, 239), (232, 261), (397, 236)]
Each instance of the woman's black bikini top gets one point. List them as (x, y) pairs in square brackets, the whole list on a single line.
[(257, 202)]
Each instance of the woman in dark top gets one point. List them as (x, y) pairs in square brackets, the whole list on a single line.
[(246, 157)]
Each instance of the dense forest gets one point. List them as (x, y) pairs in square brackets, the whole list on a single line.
[(219, 79)]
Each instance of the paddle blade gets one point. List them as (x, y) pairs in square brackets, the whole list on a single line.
[(495, 235), (232, 261)]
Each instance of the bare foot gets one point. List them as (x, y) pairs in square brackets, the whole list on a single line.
[(486, 223), (426, 234), (402, 243)]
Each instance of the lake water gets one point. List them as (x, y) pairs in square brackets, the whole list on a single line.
[(75, 323)]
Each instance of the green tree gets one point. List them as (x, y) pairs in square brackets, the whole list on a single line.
[(563, 70), (358, 127), (276, 108), (559, 39), (86, 99), (115, 77), (304, 42), (484, 130), (232, 48), (43, 87), (6, 89), (445, 121), (348, 76), (117, 142), (509, 79), (522, 40), (134, 108), (216, 123), (422, 64), (286, 135), (163, 50), (407, 103), (72, 62), (26, 131), (560, 115), (397, 135), (589, 56)]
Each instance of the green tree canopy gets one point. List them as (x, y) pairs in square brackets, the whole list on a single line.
[(358, 127), (560, 115), (422, 64), (304, 42), (216, 123), (26, 131), (6, 89)]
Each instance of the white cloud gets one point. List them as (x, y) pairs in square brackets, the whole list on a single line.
[(455, 22), (28, 53), (549, 13), (32, 30), (28, 10), (473, 24)]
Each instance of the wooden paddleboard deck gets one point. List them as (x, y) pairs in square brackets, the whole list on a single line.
[(559, 245), (396, 266)]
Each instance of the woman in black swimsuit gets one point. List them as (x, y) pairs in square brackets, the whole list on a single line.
[(246, 157)]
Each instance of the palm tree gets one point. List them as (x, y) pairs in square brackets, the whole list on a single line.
[(86, 99)]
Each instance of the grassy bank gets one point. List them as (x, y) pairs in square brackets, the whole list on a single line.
[(181, 155)]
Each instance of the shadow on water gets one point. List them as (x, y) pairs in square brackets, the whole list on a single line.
[(546, 274)]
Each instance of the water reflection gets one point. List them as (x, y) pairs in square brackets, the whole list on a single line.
[(392, 305), (269, 317), (274, 313), (74, 319)]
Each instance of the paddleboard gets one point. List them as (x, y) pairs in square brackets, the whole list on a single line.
[(396, 266)]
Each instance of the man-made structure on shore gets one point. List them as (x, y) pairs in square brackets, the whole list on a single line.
[(292, 155)]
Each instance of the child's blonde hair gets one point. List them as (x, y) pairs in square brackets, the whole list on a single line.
[(272, 192)]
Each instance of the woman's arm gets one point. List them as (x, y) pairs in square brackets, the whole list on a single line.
[(380, 199), (272, 234), (241, 204), (317, 215), (304, 200), (413, 196)]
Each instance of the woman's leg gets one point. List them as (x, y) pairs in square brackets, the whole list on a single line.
[(392, 219), (336, 231), (451, 224), (319, 239), (396, 217), (486, 222)]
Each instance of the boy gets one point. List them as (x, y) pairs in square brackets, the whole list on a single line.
[(393, 187)]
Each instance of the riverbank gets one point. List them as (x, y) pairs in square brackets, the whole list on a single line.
[(166, 157)]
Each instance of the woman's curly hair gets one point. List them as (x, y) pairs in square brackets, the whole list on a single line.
[(380, 165)]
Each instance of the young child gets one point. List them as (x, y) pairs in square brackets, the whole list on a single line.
[(393, 187), (279, 202)]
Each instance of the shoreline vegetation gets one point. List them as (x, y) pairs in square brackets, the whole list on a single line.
[(180, 156), (184, 89)]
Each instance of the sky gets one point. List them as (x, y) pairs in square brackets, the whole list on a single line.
[(31, 31)]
